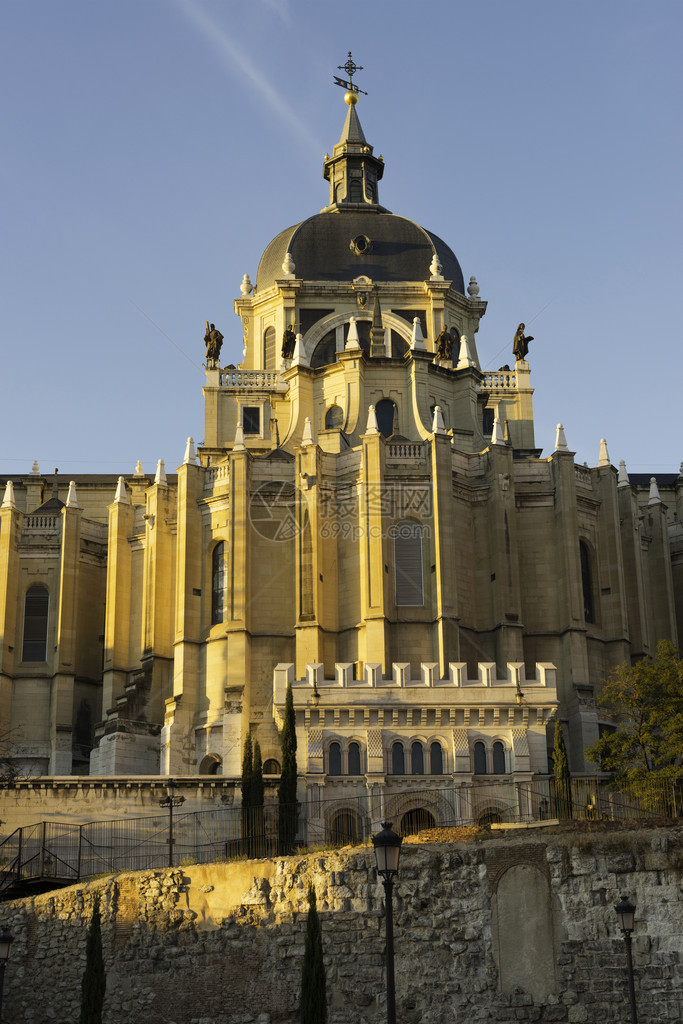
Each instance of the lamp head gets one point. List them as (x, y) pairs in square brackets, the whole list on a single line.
[(387, 851), (626, 912)]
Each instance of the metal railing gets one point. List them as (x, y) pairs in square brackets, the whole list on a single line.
[(63, 853)]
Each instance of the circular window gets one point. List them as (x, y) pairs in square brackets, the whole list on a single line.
[(360, 245)]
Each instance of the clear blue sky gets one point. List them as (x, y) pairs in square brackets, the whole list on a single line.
[(152, 148)]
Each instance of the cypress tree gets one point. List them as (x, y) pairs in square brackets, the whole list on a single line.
[(257, 797), (94, 981), (287, 816), (313, 991), (247, 792), (563, 783)]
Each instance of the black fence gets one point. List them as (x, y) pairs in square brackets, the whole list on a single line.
[(62, 853)]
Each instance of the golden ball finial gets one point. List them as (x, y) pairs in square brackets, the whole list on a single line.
[(351, 98)]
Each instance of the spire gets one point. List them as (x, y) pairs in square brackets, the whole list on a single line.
[(654, 498), (437, 421), (497, 435), (464, 356), (121, 494), (238, 444), (377, 338), (416, 338), (604, 454), (352, 336), (307, 438), (190, 457), (300, 357), (623, 475), (371, 426), (8, 500), (71, 498), (560, 440), (352, 170), (160, 477)]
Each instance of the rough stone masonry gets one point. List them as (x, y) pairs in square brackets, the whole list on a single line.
[(509, 929)]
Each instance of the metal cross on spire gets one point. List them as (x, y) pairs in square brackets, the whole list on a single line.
[(350, 68)]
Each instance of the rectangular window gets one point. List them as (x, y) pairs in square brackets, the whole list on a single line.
[(251, 419), (36, 606)]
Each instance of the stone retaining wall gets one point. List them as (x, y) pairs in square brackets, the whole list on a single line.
[(512, 929)]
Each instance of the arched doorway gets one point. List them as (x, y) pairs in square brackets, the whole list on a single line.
[(210, 765), (489, 816), (343, 828), (416, 821)]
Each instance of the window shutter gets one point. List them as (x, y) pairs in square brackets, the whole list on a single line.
[(408, 565)]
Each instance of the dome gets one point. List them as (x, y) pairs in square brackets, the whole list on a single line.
[(354, 235), (340, 246)]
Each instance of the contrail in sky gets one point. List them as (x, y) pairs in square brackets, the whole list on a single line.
[(234, 59)]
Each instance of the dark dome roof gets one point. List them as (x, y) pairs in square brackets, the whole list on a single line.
[(321, 248)]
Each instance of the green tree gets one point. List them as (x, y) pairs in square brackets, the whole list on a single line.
[(94, 980), (257, 798), (287, 809), (645, 703), (563, 779), (247, 787), (313, 990)]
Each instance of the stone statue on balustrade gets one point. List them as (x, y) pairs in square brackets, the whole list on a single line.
[(444, 344), (213, 339), (520, 346), (288, 343)]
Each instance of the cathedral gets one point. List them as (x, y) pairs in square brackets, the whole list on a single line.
[(367, 519)]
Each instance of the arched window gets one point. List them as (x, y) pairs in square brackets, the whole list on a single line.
[(269, 348), (479, 759), (408, 564), (36, 607), (335, 759), (417, 759), (435, 759), (354, 759), (498, 759), (398, 764), (218, 583), (334, 418), (356, 191), (271, 767), (387, 416), (587, 583)]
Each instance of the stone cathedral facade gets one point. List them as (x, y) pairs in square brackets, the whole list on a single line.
[(368, 519)]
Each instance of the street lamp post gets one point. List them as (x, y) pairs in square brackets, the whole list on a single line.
[(626, 913), (387, 852), (171, 801), (6, 941)]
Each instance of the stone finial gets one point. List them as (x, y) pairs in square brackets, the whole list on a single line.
[(464, 355), (352, 341), (438, 426), (288, 266), (371, 426), (300, 357), (654, 498), (417, 338), (560, 440), (8, 500), (238, 444), (71, 498), (36, 468), (246, 287), (160, 477), (190, 457), (497, 435), (307, 438), (623, 475), (604, 454), (139, 471), (121, 493), (435, 269), (473, 288)]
